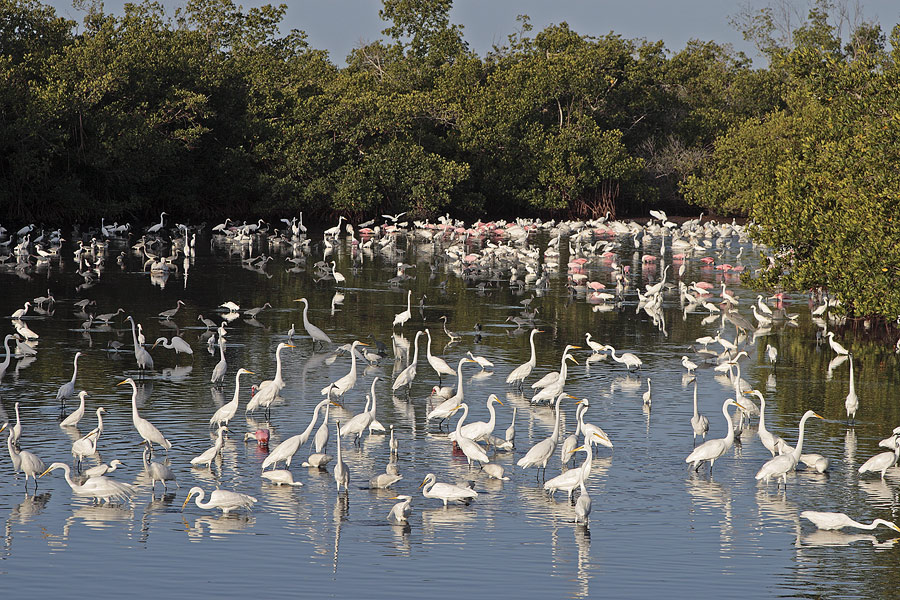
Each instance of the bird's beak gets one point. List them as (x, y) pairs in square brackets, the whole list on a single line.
[(601, 437), (576, 347), (818, 416), (154, 345), (742, 407), (572, 358), (337, 404), (395, 498), (362, 344), (5, 425), (578, 449), (570, 396), (186, 500), (423, 482), (540, 331), (895, 528), (286, 346), (499, 402), (44, 473), (252, 373), (122, 382)]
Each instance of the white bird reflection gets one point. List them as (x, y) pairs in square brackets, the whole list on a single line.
[(821, 538), (215, 527)]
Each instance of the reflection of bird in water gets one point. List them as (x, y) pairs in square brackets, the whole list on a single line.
[(822, 537), (583, 506)]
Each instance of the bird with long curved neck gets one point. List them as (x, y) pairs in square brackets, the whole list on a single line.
[(348, 381), (520, 373), (481, 430), (227, 411), (833, 521), (540, 453), (407, 375), (224, 500), (783, 464), (67, 389), (314, 332), (99, 487), (472, 450), (143, 358), (145, 428), (710, 450), (437, 363), (448, 406), (268, 390), (286, 450)]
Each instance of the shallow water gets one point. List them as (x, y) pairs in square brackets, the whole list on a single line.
[(656, 528)]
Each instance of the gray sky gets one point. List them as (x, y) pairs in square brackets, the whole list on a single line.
[(339, 25)]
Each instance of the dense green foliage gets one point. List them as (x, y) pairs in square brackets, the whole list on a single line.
[(213, 110), (819, 175)]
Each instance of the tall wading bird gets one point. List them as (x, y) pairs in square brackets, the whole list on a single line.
[(269, 389), (227, 411), (447, 492), (540, 453), (710, 450), (404, 316), (224, 500), (143, 358), (852, 401), (406, 376), (520, 373), (145, 428), (783, 464), (98, 488), (286, 450), (317, 335), (834, 520), (67, 389)]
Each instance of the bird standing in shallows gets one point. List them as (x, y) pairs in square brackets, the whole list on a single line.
[(145, 428), (314, 332), (227, 411), (699, 423), (402, 317), (341, 473), (783, 464), (87, 445), (23, 461), (583, 506), (177, 344), (834, 520), (158, 472), (883, 460), (67, 389), (269, 389), (710, 450), (225, 500), (99, 488), (348, 381), (400, 512), (210, 454), (835, 345), (437, 363), (540, 453), (143, 358), (281, 477), (286, 450), (520, 373), (446, 491), (852, 401), (76, 415)]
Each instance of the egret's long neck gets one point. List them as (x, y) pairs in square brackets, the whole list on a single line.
[(459, 388), (695, 400), (237, 388), (75, 372), (533, 359), (428, 347), (556, 425), (799, 448), (416, 350), (134, 333), (729, 437), (586, 467), (579, 417), (462, 419), (493, 420), (315, 418), (762, 413), (353, 360), (337, 429), (134, 410), (278, 365)]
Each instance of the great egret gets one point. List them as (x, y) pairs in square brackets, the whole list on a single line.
[(406, 376), (6, 359), (688, 364), (348, 381), (589, 429), (448, 406), (852, 401), (446, 491), (567, 450), (317, 461), (521, 372), (218, 374), (76, 415), (882, 461), (835, 520), (225, 500), (596, 347), (87, 445), (67, 389), (437, 363), (772, 442), (583, 506), (400, 511), (648, 397), (23, 460), (783, 464), (482, 361), (394, 443), (554, 376), (494, 471), (281, 477), (103, 468), (143, 358), (468, 446), (511, 430), (386, 479), (710, 450), (314, 332), (177, 344), (341, 473), (699, 423), (454, 337), (210, 454), (99, 488), (628, 359), (555, 387), (227, 411), (18, 314), (286, 450), (402, 317), (572, 478), (358, 423), (269, 389), (158, 471), (835, 345), (320, 441), (480, 430), (145, 428), (540, 453), (158, 226)]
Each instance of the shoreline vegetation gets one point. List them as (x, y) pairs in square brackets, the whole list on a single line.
[(214, 111)]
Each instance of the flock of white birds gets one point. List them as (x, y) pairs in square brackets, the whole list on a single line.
[(486, 254)]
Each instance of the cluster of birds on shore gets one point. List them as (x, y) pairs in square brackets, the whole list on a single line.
[(485, 254)]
